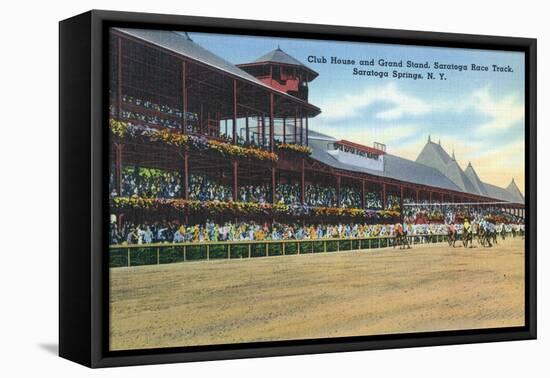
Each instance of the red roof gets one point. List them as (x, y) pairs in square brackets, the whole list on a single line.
[(360, 147)]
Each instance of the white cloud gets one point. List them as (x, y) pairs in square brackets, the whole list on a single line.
[(351, 105), (495, 163), (366, 133), (505, 113)]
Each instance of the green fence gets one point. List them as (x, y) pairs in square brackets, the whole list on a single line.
[(151, 254)]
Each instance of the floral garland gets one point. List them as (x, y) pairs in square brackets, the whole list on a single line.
[(339, 211), (170, 138), (295, 148), (177, 139), (118, 128), (388, 213), (212, 207), (243, 208), (355, 212), (233, 150)]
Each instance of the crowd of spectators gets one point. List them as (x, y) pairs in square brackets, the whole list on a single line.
[(393, 201), (155, 183), (289, 194), (147, 182), (173, 119), (146, 233), (202, 188), (350, 197), (373, 200), (320, 196), (255, 193), (171, 232), (424, 212)]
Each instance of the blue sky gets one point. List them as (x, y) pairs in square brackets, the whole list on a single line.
[(479, 115)]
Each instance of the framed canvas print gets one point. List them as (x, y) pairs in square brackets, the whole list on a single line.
[(234, 188)]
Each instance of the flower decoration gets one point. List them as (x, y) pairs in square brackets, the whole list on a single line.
[(243, 208), (296, 148), (177, 139)]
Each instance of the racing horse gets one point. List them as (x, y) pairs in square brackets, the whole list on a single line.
[(451, 235), (468, 237), (400, 237), (487, 234)]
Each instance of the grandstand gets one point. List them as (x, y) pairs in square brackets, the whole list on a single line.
[(209, 126), (233, 220)]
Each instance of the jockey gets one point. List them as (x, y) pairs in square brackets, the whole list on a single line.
[(483, 225), (452, 228), (466, 225)]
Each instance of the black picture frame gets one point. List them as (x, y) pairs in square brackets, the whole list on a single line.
[(83, 273)]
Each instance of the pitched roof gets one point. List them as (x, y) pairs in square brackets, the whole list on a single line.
[(500, 193), (394, 167), (279, 56), (475, 180), (419, 173), (456, 174), (433, 155), (181, 44), (513, 189)]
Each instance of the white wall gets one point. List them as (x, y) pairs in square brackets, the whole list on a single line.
[(28, 189)]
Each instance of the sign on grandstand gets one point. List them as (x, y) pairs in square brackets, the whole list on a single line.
[(361, 156)]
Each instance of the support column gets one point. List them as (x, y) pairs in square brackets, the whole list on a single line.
[(184, 96), (284, 130), (363, 202), (185, 183), (401, 208), (417, 195), (430, 196), (296, 127), (383, 195), (118, 168), (271, 123), (119, 220), (307, 131), (303, 183), (235, 186), (301, 130), (263, 130), (247, 130), (338, 184), (234, 111), (258, 129), (273, 186), (119, 78), (201, 120)]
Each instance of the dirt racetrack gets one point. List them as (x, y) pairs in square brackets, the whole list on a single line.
[(428, 288)]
